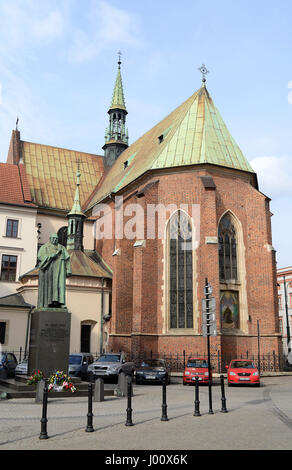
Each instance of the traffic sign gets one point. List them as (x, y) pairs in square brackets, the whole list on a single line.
[(209, 305), (212, 330)]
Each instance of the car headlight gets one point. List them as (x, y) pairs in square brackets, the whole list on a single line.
[(206, 373), (232, 373), (255, 373), (90, 368), (187, 373)]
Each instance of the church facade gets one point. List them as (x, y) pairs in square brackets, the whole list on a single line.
[(178, 206)]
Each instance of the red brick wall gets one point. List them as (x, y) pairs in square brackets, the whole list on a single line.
[(138, 272)]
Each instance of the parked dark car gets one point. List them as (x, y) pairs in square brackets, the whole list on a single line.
[(152, 370), (8, 363), (78, 364)]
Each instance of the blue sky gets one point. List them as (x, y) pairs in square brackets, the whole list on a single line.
[(58, 62)]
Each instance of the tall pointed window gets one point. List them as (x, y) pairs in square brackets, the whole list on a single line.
[(181, 271), (227, 250)]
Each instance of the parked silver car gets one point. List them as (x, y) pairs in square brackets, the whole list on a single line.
[(107, 366), (22, 368)]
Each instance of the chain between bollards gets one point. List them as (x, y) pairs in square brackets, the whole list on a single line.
[(129, 421), (164, 416), (223, 398), (197, 402), (44, 420), (89, 427)]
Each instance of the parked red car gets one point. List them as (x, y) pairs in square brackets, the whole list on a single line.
[(196, 367), (242, 371)]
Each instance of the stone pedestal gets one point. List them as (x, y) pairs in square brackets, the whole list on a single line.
[(49, 345)]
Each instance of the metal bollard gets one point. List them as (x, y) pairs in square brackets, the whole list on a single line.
[(164, 405), (89, 427), (210, 397), (197, 402), (223, 398), (129, 421), (44, 420)]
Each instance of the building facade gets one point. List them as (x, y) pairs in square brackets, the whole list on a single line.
[(284, 283)]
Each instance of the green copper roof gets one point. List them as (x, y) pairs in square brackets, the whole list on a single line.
[(76, 209), (194, 133), (118, 99)]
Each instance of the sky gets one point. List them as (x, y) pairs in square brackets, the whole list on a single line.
[(58, 63)]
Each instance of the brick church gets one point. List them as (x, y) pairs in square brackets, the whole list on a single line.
[(179, 205)]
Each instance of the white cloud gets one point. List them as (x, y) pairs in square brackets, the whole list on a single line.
[(109, 26), (274, 174), (27, 23)]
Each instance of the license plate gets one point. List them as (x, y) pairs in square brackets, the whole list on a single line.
[(194, 378), (149, 376), (244, 378)]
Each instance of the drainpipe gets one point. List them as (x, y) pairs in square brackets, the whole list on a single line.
[(101, 316)]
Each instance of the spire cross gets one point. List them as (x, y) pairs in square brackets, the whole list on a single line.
[(203, 69), (120, 55)]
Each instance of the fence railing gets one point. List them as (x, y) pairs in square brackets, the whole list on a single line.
[(270, 362)]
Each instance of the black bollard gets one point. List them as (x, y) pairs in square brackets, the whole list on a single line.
[(129, 421), (164, 405), (197, 402), (89, 427), (44, 420), (223, 398)]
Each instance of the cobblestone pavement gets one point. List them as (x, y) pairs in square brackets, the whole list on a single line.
[(257, 419)]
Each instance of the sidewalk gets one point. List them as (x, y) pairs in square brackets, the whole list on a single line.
[(251, 413)]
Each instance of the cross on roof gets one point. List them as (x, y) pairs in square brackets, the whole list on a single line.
[(203, 69)]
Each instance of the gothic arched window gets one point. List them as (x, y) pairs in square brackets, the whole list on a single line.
[(62, 236), (227, 250), (180, 271)]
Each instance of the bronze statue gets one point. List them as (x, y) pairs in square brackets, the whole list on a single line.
[(54, 266)]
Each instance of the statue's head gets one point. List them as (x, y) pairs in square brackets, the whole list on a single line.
[(54, 239)]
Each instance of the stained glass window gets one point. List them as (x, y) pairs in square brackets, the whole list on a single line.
[(227, 250), (181, 271)]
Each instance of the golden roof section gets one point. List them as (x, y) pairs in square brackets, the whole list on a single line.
[(194, 133), (51, 174)]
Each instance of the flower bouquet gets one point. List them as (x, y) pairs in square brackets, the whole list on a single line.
[(35, 377), (60, 381)]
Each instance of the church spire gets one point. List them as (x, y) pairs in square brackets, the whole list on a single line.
[(76, 220), (116, 135)]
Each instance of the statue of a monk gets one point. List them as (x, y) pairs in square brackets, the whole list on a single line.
[(54, 266)]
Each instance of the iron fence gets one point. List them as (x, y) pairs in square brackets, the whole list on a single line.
[(270, 362)]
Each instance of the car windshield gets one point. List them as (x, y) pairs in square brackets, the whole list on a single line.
[(109, 358), (75, 360), (197, 363), (242, 365), (153, 363)]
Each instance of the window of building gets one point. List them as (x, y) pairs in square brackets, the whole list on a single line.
[(12, 228), (8, 268), (181, 271), (62, 236), (280, 302), (227, 250), (2, 332), (281, 325)]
